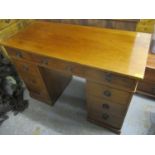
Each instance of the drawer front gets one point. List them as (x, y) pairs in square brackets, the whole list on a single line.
[(108, 93), (33, 82), (18, 54), (52, 63), (25, 67), (105, 106), (36, 89), (61, 65), (150, 75), (31, 76), (106, 118), (146, 87), (78, 70), (111, 79)]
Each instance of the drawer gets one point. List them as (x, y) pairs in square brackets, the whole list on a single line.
[(25, 67), (56, 64), (52, 63), (36, 89), (150, 75), (31, 77), (111, 79), (18, 54), (35, 85), (100, 105), (33, 82), (146, 87), (108, 93), (106, 118), (78, 70)]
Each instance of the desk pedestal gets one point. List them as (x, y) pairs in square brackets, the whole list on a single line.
[(107, 95)]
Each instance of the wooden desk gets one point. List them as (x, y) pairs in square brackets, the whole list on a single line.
[(46, 56)]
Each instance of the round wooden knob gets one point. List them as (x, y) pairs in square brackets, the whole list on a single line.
[(107, 93), (19, 55), (105, 116), (45, 62), (26, 67), (108, 77), (69, 68), (105, 106)]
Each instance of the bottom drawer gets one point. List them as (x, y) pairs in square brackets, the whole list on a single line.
[(106, 118), (146, 87)]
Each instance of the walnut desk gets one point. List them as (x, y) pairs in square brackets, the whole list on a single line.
[(46, 55)]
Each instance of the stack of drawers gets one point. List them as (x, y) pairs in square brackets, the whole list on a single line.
[(147, 86), (29, 72), (108, 98)]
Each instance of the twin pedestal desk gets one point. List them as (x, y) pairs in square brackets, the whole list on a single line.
[(46, 55)]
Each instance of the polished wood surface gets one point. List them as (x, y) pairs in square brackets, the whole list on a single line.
[(120, 52), (32, 77), (105, 106), (46, 56), (108, 93), (110, 79)]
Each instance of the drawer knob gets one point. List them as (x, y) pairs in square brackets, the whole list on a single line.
[(45, 62), (108, 77), (107, 93), (105, 116), (69, 68), (105, 106), (19, 55), (26, 68)]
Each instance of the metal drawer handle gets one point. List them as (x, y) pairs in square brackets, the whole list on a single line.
[(19, 55), (105, 106), (107, 93), (105, 116), (44, 61), (109, 77)]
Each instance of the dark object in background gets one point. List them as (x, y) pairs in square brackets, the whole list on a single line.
[(11, 90)]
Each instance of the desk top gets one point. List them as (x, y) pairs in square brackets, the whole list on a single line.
[(117, 51)]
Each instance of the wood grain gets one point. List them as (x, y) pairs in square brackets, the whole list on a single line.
[(108, 93), (30, 73), (104, 106), (121, 52)]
